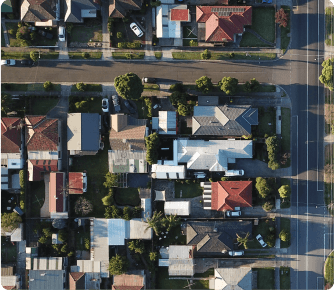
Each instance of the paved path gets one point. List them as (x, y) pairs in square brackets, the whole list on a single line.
[(107, 53), (44, 211), (5, 32), (21, 262)]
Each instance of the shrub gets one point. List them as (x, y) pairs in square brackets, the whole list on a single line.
[(155, 3), (268, 206), (326, 76), (177, 98), (284, 191), (152, 145), (178, 87), (148, 103), (270, 240), (282, 18), (263, 187), (33, 35), (193, 43), (121, 45), (229, 85), (273, 146), (153, 256), (48, 86), (24, 42), (12, 32), (108, 200), (284, 236), (231, 55), (224, 179), (22, 178), (22, 206), (70, 254), (128, 55), (126, 213), (43, 239), (81, 87), (64, 248), (85, 55), (119, 35), (69, 27), (34, 55), (206, 54), (183, 110), (62, 235), (204, 84), (87, 244)]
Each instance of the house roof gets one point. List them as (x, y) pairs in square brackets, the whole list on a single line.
[(168, 171), (128, 282), (38, 10), (179, 15), (10, 135), (77, 280), (75, 181), (180, 208), (126, 161), (100, 245), (55, 192), (166, 123), (54, 279), (165, 27), (41, 133), (37, 167), (222, 22), (138, 230), (73, 12), (7, 270), (119, 8), (226, 195), (232, 120), (216, 236), (6, 7), (233, 278)]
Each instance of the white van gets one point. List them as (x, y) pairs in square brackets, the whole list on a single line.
[(234, 173), (233, 213), (236, 253)]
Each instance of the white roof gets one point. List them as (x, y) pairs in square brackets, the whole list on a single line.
[(160, 195), (167, 122), (233, 278), (177, 208), (17, 234), (10, 281), (168, 171), (47, 263), (181, 262), (118, 231), (164, 27), (138, 230), (55, 239), (99, 244), (74, 131), (88, 266), (180, 251)]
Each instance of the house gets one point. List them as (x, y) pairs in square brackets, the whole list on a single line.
[(16, 235), (166, 123), (120, 8), (86, 275), (6, 7), (168, 22), (222, 23), (37, 168), (168, 171), (215, 238), (47, 279), (232, 278), (129, 281), (57, 197), (11, 143), (83, 133), (10, 180), (8, 279), (77, 182), (127, 142), (180, 208), (77, 280), (77, 10), (227, 120), (179, 259), (227, 195), (42, 12)]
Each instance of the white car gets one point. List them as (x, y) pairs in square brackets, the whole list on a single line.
[(61, 33), (261, 241), (234, 173), (8, 62), (233, 213), (105, 105), (136, 29), (236, 253)]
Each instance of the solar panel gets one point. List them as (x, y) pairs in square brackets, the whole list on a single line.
[(227, 10)]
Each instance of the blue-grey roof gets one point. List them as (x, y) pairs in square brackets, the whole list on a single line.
[(75, 7), (46, 279), (118, 231), (90, 135)]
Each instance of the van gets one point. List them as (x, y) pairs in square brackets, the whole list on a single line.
[(236, 253), (234, 173), (233, 213)]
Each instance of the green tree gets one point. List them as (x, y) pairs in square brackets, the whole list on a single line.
[(268, 206), (85, 55), (154, 222), (171, 221), (178, 87), (243, 240), (83, 206), (155, 3), (87, 244), (34, 55), (64, 248), (270, 240), (6, 104), (81, 87), (129, 86), (153, 256), (204, 84), (229, 85), (326, 76), (136, 246), (10, 221), (126, 213), (273, 147), (47, 232), (108, 200), (284, 236), (62, 235), (263, 187), (247, 86), (177, 98), (111, 180), (43, 239), (183, 110), (254, 85), (112, 212), (81, 106), (118, 265), (284, 191), (48, 86), (119, 35), (152, 145)]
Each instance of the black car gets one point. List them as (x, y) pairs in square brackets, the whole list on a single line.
[(129, 107), (27, 62), (149, 80)]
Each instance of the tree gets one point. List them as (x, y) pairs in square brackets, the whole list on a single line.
[(268, 206), (10, 221), (204, 84), (129, 86), (85, 55), (243, 240), (81, 106), (34, 55), (64, 248), (177, 98), (136, 246), (81, 87), (284, 236), (284, 191), (118, 265), (155, 3), (126, 213), (119, 35), (43, 239), (87, 244), (183, 110), (153, 256), (111, 180), (254, 85), (59, 223), (206, 54), (171, 221), (273, 147), (48, 86), (154, 222), (178, 87), (247, 86), (282, 18), (83, 206), (152, 144), (229, 85), (47, 232), (262, 187), (112, 212), (6, 103), (108, 200), (326, 76), (62, 235)]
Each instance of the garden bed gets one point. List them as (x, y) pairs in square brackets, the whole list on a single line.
[(285, 39), (125, 55), (223, 56), (329, 270), (79, 55), (89, 88), (285, 225)]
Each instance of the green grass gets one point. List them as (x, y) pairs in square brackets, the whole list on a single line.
[(263, 229), (37, 193), (223, 56), (123, 55), (187, 32), (142, 114), (329, 17), (8, 251), (158, 54), (286, 117), (89, 88), (151, 87), (265, 278), (329, 270), (188, 190), (15, 87), (285, 39), (171, 237), (96, 167), (80, 239), (285, 225), (264, 120), (3, 43), (93, 104), (24, 55), (287, 203), (208, 273), (263, 22), (163, 281), (42, 106), (40, 87), (127, 196), (78, 55), (284, 278), (83, 34), (327, 196), (186, 55)]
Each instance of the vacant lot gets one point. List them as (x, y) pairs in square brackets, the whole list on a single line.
[(187, 190), (85, 34)]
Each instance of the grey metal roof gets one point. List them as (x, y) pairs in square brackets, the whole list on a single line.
[(73, 9), (233, 278), (90, 135), (46, 279)]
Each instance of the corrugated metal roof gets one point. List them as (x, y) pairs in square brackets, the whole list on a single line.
[(117, 232), (138, 230), (168, 171), (46, 279), (177, 207), (100, 245), (90, 134), (167, 122), (146, 205)]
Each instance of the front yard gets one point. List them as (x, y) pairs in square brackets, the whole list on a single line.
[(264, 228), (265, 278), (285, 278), (186, 55), (127, 196), (40, 106), (329, 270), (285, 225), (90, 105), (141, 109), (187, 189), (267, 122), (85, 33)]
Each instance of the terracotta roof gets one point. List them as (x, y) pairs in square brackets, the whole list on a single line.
[(55, 192), (77, 280), (10, 135), (222, 22), (128, 282), (38, 10), (37, 167), (75, 180), (41, 133), (226, 195), (179, 15)]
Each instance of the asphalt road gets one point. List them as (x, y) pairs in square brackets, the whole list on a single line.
[(298, 74)]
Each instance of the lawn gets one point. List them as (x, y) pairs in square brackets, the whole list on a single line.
[(188, 190), (3, 43), (79, 55), (151, 87), (158, 54), (142, 114), (285, 278), (263, 229), (266, 118), (80, 239), (285, 39), (329, 17), (85, 34), (223, 56), (329, 270), (14, 87), (163, 281), (263, 22), (286, 204), (42, 106), (8, 251), (127, 196), (89, 88), (265, 278), (24, 55), (208, 273), (96, 167), (37, 192), (171, 238), (126, 55), (285, 225), (267, 88)]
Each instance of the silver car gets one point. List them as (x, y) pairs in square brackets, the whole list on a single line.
[(261, 241), (136, 29)]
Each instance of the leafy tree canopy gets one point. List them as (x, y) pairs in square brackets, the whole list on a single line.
[(229, 85), (326, 76), (284, 191), (118, 265), (129, 86), (204, 84), (10, 221)]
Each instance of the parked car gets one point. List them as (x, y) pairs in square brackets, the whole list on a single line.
[(199, 175), (136, 29), (61, 33), (261, 241), (27, 62), (233, 213), (149, 80), (8, 62), (156, 106), (116, 103), (236, 253), (105, 105), (234, 173), (129, 107)]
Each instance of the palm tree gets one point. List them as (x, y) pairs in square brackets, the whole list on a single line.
[(154, 222), (243, 240), (172, 221)]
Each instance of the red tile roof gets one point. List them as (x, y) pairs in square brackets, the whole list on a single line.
[(179, 14), (223, 27), (9, 287), (10, 135), (37, 167), (75, 180), (77, 280), (41, 133), (55, 192), (128, 282), (226, 195)]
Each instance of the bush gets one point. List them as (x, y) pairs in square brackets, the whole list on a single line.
[(284, 191), (126, 213), (231, 55), (177, 98), (263, 187), (270, 240), (148, 103), (62, 235), (155, 3), (81, 87), (128, 55), (229, 85), (268, 206), (273, 147), (153, 256), (152, 144), (193, 43), (69, 27), (34, 55), (119, 35), (178, 87), (224, 179), (85, 55), (33, 36), (108, 200), (48, 86), (64, 248), (326, 76), (184, 110), (87, 244), (22, 206), (22, 178), (284, 236), (12, 32), (206, 54), (70, 254)]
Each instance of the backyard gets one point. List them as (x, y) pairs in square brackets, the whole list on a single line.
[(37, 191), (263, 23), (86, 33), (8, 251), (188, 189), (142, 113), (265, 278), (173, 237), (127, 196), (42, 107), (80, 237)]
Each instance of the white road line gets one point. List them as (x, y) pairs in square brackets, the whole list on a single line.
[(307, 114)]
